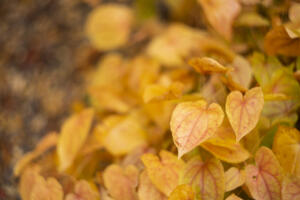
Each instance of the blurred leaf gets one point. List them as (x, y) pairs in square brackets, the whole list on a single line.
[(164, 172), (72, 137)]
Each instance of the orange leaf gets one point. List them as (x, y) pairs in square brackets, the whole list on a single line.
[(73, 135), (147, 190), (244, 111), (234, 178), (194, 122), (291, 188), (278, 41), (182, 192), (47, 190), (46, 143), (224, 146), (221, 14), (207, 65), (264, 179), (83, 191), (206, 178), (121, 183), (27, 181), (286, 147), (157, 92), (164, 172)]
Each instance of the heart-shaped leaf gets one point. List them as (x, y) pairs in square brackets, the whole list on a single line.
[(121, 183), (244, 111), (164, 172), (264, 179), (194, 122), (207, 178)]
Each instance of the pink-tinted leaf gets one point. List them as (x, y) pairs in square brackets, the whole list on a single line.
[(244, 111), (221, 14), (194, 122), (234, 178), (207, 178), (291, 188), (264, 179)]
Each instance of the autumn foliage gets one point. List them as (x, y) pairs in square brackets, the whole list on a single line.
[(202, 114)]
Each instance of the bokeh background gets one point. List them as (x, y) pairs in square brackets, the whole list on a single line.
[(43, 56)]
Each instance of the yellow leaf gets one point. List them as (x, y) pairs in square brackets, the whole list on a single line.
[(224, 146), (264, 179), (234, 178), (108, 98), (182, 192), (232, 84), (194, 122), (83, 191), (207, 65), (72, 137), (286, 147), (164, 172), (45, 144), (221, 14), (206, 178), (278, 41), (47, 190), (143, 71), (233, 197), (174, 44), (244, 111), (108, 26), (252, 19), (294, 11), (276, 97), (157, 92), (121, 183), (109, 72), (147, 190), (241, 71), (121, 134), (291, 188)]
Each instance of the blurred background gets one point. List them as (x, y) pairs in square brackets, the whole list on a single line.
[(43, 55)]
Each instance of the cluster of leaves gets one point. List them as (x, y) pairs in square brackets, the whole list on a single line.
[(228, 112)]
